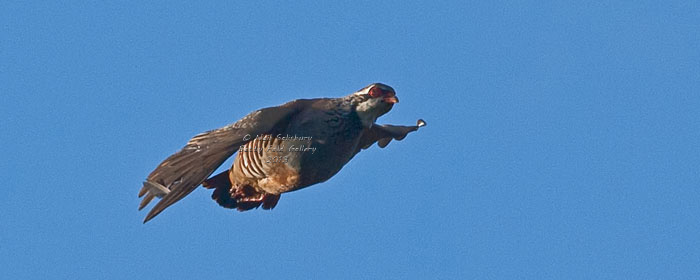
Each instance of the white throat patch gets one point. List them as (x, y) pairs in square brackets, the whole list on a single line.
[(368, 111)]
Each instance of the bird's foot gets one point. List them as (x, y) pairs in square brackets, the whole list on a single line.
[(248, 198)]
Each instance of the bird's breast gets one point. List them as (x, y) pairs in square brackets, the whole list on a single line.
[(308, 152)]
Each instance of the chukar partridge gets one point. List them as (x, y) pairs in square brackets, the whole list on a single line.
[(280, 149)]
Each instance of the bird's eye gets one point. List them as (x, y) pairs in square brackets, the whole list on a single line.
[(375, 92)]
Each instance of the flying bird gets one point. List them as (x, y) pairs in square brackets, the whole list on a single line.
[(280, 149)]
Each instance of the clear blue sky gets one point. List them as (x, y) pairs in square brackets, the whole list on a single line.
[(562, 140)]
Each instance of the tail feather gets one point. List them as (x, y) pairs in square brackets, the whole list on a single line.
[(242, 198), (222, 189), (220, 180)]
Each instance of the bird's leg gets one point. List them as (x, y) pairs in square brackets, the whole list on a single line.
[(247, 198)]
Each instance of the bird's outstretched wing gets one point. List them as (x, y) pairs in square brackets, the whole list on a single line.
[(383, 134), (182, 172)]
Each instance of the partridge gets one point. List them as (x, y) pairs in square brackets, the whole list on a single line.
[(280, 149)]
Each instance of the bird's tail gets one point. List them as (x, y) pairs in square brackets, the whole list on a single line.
[(222, 187), (242, 198)]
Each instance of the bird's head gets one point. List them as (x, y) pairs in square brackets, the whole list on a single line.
[(374, 101)]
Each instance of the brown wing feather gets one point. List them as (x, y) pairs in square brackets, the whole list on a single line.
[(182, 172), (383, 134)]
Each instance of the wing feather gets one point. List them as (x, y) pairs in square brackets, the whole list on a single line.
[(182, 172), (383, 134)]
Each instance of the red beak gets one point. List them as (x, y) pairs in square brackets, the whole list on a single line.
[(391, 99)]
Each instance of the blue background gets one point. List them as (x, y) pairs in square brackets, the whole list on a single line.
[(562, 139)]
